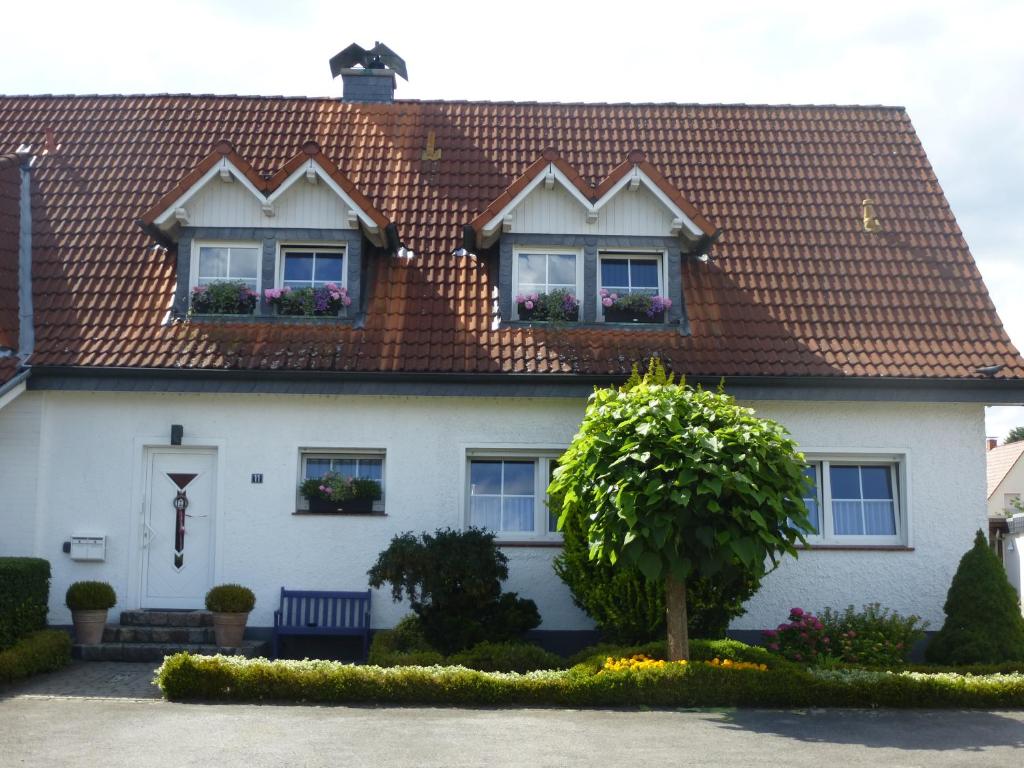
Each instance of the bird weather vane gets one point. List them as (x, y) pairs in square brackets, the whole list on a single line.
[(378, 57)]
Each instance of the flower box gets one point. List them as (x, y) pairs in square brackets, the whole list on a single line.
[(559, 306), (327, 300), (349, 507), (612, 315), (226, 297), (541, 315)]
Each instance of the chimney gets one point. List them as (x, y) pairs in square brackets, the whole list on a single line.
[(992, 442), (368, 76)]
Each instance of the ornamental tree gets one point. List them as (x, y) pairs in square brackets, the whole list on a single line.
[(1015, 436), (681, 482)]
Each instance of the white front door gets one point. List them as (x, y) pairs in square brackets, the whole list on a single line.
[(177, 562)]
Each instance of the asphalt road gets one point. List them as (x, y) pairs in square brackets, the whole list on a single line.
[(46, 723)]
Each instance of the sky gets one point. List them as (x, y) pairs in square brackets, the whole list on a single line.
[(958, 68)]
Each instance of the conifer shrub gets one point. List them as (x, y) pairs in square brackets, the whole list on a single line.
[(983, 619)]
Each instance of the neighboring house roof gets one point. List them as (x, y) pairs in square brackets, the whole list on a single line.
[(10, 217), (8, 369), (796, 288), (999, 462)]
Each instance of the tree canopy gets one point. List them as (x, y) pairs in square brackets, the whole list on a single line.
[(677, 481), (1015, 436)]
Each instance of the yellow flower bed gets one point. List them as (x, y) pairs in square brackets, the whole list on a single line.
[(639, 661)]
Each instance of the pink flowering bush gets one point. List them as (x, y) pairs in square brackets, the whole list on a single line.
[(558, 304), (637, 306), (226, 297), (803, 638), (324, 300)]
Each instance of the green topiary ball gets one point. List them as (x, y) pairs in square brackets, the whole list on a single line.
[(90, 596), (983, 619), (230, 598)]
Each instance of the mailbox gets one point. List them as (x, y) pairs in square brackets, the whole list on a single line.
[(89, 548)]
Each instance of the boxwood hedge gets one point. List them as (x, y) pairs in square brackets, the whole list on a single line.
[(43, 651), (24, 594), (184, 677)]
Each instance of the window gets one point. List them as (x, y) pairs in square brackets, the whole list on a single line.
[(623, 274), (216, 263), (315, 464), (1010, 501), (543, 271), (508, 495), (312, 267), (855, 502)]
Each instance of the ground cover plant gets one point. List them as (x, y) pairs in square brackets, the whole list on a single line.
[(983, 619), (452, 580), (680, 482)]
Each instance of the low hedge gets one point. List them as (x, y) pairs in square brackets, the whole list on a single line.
[(43, 651), (184, 677), (506, 657), (24, 595)]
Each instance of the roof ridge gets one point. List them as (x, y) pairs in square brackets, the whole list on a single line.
[(481, 102)]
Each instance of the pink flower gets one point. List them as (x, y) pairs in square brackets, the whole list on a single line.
[(797, 656), (533, 296), (773, 646), (770, 633), (199, 289), (796, 611), (330, 286), (346, 301), (607, 301), (529, 304), (613, 296), (520, 299), (603, 292)]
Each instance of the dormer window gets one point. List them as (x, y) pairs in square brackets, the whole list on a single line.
[(312, 267), (227, 263), (632, 287), (547, 283)]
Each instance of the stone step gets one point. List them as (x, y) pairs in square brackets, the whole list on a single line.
[(157, 651), (166, 619), (151, 634)]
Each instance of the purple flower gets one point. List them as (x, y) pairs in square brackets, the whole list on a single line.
[(607, 301), (529, 304), (520, 299), (796, 612), (346, 300)]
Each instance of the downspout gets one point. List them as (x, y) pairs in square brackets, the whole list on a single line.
[(26, 324)]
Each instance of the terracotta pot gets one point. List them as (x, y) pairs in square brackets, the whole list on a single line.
[(229, 628), (89, 626)]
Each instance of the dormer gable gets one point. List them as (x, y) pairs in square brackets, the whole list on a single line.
[(551, 197), (308, 192)]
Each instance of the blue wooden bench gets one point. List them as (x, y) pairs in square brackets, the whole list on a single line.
[(309, 613)]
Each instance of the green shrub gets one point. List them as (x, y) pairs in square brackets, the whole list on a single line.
[(983, 619), (90, 596), (452, 580), (184, 677), (590, 660), (507, 657), (42, 651), (224, 297), (873, 636), (24, 595), (230, 598), (403, 646)]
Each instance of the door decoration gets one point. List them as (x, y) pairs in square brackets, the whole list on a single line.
[(180, 505)]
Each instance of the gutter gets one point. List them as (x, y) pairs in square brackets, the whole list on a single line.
[(987, 390), (26, 321), (11, 390)]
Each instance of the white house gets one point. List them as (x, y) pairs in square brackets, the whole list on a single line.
[(1005, 480), (804, 254)]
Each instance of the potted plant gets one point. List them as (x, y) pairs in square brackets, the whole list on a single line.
[(230, 605), (89, 602), (226, 297), (334, 493), (323, 301), (634, 307), (559, 304)]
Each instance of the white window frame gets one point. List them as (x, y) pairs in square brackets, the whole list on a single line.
[(335, 454), (898, 467), (630, 253), (193, 272), (544, 460), (309, 247), (547, 251)]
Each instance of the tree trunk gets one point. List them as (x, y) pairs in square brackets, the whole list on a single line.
[(675, 619)]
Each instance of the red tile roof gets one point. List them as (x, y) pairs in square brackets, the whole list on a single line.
[(797, 287), (10, 224)]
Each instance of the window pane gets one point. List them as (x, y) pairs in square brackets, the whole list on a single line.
[(346, 467), (372, 468), (879, 518), (244, 263), (213, 262), (532, 268), (517, 513), (614, 273), (317, 468), (877, 482), (298, 266), (644, 274), (562, 269), (811, 499), (485, 512), (847, 518), (485, 477), (845, 482), (328, 267), (519, 478)]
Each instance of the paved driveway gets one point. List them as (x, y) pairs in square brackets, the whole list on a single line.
[(106, 715)]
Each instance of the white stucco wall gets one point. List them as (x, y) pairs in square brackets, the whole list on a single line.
[(91, 449), (20, 428)]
